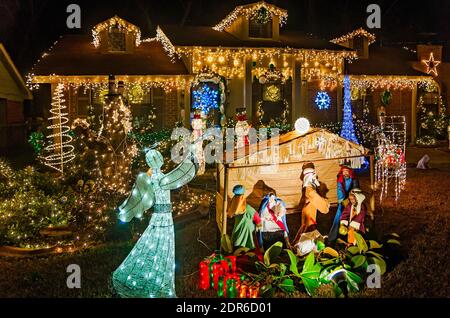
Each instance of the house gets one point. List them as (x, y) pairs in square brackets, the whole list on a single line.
[(401, 71), (14, 94), (247, 60), (245, 47)]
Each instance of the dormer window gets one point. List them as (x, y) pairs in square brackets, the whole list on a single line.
[(359, 45), (116, 36), (259, 20), (116, 39), (260, 24)]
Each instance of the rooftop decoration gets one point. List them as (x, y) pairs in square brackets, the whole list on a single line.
[(431, 64), (254, 11), (165, 42), (121, 24), (167, 83), (353, 34)]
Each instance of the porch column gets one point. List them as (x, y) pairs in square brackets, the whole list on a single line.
[(187, 106), (301, 112), (296, 83), (247, 87)]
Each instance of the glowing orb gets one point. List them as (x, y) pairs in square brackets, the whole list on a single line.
[(302, 125)]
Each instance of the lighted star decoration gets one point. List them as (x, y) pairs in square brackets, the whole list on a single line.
[(431, 64)]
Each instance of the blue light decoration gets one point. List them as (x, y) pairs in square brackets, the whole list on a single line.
[(348, 129), (149, 270), (205, 98), (322, 100)]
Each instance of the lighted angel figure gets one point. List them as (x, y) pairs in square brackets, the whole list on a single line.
[(149, 270)]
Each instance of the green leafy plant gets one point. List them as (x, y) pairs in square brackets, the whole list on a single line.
[(310, 274), (349, 263)]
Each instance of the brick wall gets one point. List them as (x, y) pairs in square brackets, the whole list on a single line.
[(171, 111)]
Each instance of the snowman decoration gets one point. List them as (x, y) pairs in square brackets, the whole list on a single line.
[(242, 128)]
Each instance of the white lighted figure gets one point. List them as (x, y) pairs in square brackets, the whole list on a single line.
[(149, 270), (302, 125)]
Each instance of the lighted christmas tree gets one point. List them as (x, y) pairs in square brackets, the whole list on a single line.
[(348, 129), (116, 151), (60, 147), (106, 155)]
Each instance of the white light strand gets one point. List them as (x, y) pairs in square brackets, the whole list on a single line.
[(249, 11), (167, 45), (61, 148)]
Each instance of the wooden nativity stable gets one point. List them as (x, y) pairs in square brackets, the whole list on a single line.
[(275, 165)]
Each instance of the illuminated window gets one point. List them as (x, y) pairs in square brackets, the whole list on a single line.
[(116, 41), (256, 29)]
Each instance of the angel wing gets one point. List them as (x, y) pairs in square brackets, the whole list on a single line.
[(181, 175), (141, 198)]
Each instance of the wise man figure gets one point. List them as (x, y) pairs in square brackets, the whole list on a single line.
[(311, 201), (272, 211), (353, 217), (346, 181)]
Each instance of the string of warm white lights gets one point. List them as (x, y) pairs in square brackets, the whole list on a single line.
[(115, 22), (98, 83), (60, 146), (165, 42), (358, 32), (389, 82), (250, 11), (231, 62)]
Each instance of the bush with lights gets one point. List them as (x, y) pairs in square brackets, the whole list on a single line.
[(432, 126), (31, 201)]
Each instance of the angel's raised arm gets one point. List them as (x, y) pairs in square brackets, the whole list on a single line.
[(181, 175)]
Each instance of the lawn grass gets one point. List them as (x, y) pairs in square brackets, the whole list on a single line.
[(421, 217)]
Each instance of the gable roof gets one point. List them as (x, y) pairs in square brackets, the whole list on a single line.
[(294, 135), (358, 32), (7, 62), (206, 36), (385, 61), (249, 9), (76, 55)]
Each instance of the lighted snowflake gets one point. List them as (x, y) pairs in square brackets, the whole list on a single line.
[(322, 100), (205, 98)]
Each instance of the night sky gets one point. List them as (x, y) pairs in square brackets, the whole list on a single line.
[(29, 27)]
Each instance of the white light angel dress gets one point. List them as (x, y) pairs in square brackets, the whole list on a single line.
[(149, 270)]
